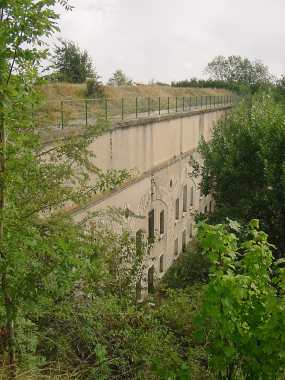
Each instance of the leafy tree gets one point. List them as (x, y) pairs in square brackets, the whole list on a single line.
[(16, 35), (281, 83), (242, 318), (42, 252), (71, 64), (239, 70), (279, 90), (243, 166), (119, 78)]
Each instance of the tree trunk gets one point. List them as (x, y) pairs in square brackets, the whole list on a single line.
[(8, 301), (10, 313), (10, 326)]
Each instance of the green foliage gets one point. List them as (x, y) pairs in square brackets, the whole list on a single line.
[(242, 317), (103, 333), (233, 73), (73, 65), (207, 83), (94, 87), (111, 338), (119, 78), (243, 166), (192, 267), (43, 253), (239, 71)]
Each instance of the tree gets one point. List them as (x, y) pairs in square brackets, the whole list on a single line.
[(119, 78), (42, 252), (280, 90), (243, 166), (242, 318), (71, 64), (239, 70)]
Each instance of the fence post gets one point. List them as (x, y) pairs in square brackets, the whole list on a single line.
[(136, 108), (86, 113), (176, 109), (159, 105), (196, 101), (106, 109), (210, 101), (62, 116), (168, 105), (183, 103), (206, 101), (122, 108), (215, 101)]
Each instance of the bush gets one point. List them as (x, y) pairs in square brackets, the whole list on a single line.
[(111, 338), (192, 267), (94, 87), (242, 317)]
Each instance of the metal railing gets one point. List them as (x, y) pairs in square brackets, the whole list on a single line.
[(85, 112)]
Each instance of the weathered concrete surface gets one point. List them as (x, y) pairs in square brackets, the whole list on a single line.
[(144, 144), (160, 151)]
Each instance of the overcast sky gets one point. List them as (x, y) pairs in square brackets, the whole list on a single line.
[(169, 40)]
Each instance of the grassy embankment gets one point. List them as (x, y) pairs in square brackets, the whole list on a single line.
[(65, 102), (63, 91)]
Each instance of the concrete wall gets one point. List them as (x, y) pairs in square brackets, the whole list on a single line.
[(161, 151), (142, 145)]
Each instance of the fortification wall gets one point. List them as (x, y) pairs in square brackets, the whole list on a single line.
[(144, 144), (163, 199)]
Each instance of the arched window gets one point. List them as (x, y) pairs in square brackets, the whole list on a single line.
[(151, 226), (185, 198), (176, 247), (139, 241), (191, 230), (177, 209), (150, 279), (184, 241), (161, 220), (161, 264), (192, 196)]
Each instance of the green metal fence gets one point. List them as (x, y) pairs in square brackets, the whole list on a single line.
[(85, 112)]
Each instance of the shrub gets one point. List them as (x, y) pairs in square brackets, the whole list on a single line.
[(94, 87), (192, 267)]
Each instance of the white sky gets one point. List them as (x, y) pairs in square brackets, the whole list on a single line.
[(169, 40)]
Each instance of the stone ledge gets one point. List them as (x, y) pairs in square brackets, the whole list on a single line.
[(166, 117), (103, 196)]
